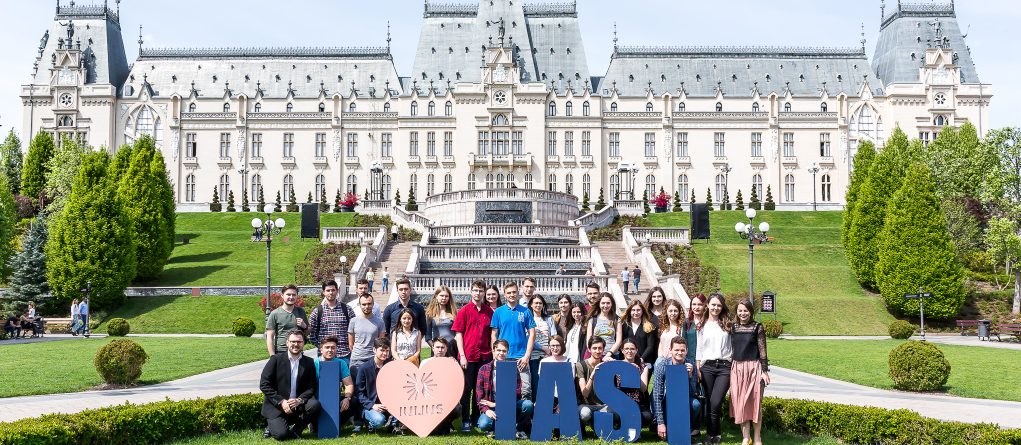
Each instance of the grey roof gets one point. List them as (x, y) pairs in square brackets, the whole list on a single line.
[(97, 32), (277, 72), (909, 31), (546, 38), (737, 71)]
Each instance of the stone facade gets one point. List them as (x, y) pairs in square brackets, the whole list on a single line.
[(501, 95)]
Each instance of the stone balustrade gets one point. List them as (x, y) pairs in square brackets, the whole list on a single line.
[(548, 286), (667, 235), (629, 207), (598, 219), (375, 206), (484, 232), (500, 194), (413, 220), (505, 253), (350, 234)]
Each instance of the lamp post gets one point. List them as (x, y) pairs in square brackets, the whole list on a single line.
[(343, 264), (813, 171), (648, 238), (749, 232), (269, 228), (670, 265)]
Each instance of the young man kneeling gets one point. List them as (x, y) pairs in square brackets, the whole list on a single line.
[(486, 390), (289, 408)]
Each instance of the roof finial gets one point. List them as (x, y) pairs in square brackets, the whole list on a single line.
[(882, 11), (388, 36), (863, 41), (140, 41), (614, 36), (118, 9)]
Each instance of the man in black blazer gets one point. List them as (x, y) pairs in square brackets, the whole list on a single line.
[(289, 384)]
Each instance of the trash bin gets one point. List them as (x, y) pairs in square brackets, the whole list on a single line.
[(983, 329)]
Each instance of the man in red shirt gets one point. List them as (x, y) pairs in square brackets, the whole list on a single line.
[(472, 334)]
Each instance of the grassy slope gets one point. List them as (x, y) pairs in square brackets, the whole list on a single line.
[(806, 267), (66, 366), (186, 315), (220, 251), (978, 372)]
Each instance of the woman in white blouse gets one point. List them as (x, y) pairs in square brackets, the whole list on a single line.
[(714, 358)]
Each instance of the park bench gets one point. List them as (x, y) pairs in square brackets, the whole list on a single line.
[(57, 325), (1012, 329), (967, 325)]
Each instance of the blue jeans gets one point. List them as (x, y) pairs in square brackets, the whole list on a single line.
[(637, 280), (386, 284), (371, 282), (375, 419), (524, 408), (696, 414)]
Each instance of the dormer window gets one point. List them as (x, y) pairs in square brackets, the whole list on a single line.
[(290, 107), (552, 108), (755, 107), (322, 107), (569, 109), (585, 109), (192, 106), (258, 107), (681, 107), (613, 106), (787, 107), (719, 107), (431, 108), (448, 108), (414, 108), (226, 108), (386, 107), (823, 107), (352, 107), (648, 107)]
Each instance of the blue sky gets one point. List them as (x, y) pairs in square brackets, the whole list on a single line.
[(993, 33)]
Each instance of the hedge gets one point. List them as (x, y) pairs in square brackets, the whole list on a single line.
[(165, 421)]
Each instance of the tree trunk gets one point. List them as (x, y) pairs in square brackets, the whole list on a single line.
[(1017, 292)]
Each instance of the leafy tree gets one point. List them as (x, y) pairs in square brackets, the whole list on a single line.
[(862, 162), (753, 202), (677, 202), (397, 197), (709, 198), (148, 202), (769, 204), (28, 267), (412, 205), (91, 240), (8, 220), (230, 202), (1004, 240), (884, 179), (277, 207), (62, 171), (584, 203), (1002, 185), (601, 202), (11, 161), (244, 203), (645, 202), (324, 205), (121, 162), (262, 201), (739, 201), (916, 251), (336, 202), (215, 205), (962, 225), (33, 176), (959, 161)]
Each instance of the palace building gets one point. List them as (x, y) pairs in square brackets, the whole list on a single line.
[(501, 96)]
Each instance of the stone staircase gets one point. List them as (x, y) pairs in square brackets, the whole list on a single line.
[(395, 257), (614, 259)]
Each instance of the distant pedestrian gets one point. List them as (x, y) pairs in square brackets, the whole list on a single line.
[(561, 270), (83, 316), (394, 231), (371, 276), (386, 279), (625, 278), (74, 316), (636, 276)]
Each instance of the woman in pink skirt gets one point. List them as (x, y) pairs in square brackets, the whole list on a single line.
[(749, 373)]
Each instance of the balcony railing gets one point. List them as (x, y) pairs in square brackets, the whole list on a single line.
[(348, 234), (490, 194), (521, 231), (545, 285), (672, 235), (505, 253)]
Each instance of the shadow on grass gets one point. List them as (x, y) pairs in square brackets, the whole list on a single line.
[(182, 276), (199, 257)]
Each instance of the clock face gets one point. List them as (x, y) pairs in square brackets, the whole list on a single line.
[(66, 77), (500, 97), (66, 100), (500, 74)]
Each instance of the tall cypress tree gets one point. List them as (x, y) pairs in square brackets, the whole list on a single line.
[(62, 171), (11, 161), (33, 176), (28, 267), (121, 162), (8, 219), (915, 250), (709, 198), (91, 240), (862, 162), (143, 190)]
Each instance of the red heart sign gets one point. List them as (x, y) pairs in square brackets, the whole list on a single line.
[(423, 397)]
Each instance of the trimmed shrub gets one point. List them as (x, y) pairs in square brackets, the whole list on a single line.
[(120, 361), (769, 204), (118, 327), (243, 327), (773, 328), (901, 330), (918, 366)]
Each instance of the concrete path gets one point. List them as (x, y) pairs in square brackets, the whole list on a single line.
[(943, 339)]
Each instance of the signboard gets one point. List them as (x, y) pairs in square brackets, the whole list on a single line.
[(917, 296), (768, 302)]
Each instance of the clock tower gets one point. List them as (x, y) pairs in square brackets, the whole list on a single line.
[(66, 80)]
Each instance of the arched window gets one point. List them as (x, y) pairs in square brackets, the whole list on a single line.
[(552, 108), (147, 123), (322, 107), (224, 187), (788, 188), (650, 186), (586, 109), (192, 106), (386, 107), (352, 107), (824, 107), (431, 108), (387, 186), (648, 107), (569, 183), (681, 107), (613, 106), (510, 180), (586, 185), (615, 186), (258, 107), (489, 181), (144, 122), (471, 181), (448, 109), (414, 108), (66, 121), (290, 107), (552, 183), (448, 183), (256, 187), (352, 184), (189, 188), (719, 107), (940, 120), (528, 181), (682, 186), (757, 186), (500, 120), (288, 187), (787, 107), (721, 187), (500, 181), (226, 108), (413, 183), (568, 109), (865, 126), (826, 188), (755, 107), (320, 188)]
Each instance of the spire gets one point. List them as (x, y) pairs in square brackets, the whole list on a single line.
[(614, 37), (140, 41), (863, 41), (882, 10), (388, 36), (118, 8)]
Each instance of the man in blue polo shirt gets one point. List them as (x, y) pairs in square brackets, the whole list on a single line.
[(515, 324)]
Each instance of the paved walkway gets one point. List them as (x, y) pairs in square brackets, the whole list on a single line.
[(943, 339)]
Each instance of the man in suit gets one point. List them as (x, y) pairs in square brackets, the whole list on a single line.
[(289, 384)]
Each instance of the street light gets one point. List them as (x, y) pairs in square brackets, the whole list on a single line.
[(648, 238), (748, 231), (813, 171), (343, 264), (670, 265), (269, 228)]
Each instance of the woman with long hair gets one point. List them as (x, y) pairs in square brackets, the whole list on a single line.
[(714, 359), (749, 372), (440, 318), (655, 304), (671, 324), (637, 326), (406, 340), (629, 350), (545, 328), (603, 323), (556, 355), (493, 297), (694, 324), (575, 339), (563, 314)]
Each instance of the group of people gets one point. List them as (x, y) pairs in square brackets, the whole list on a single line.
[(722, 353), (29, 323), (630, 276)]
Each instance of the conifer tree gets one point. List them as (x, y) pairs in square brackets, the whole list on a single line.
[(62, 171), (324, 205), (677, 202), (28, 267), (309, 201), (244, 203), (412, 206), (585, 203), (148, 202), (292, 205), (884, 179), (8, 220), (709, 198), (277, 206), (215, 205), (33, 175), (120, 163), (916, 251), (397, 198), (91, 240), (336, 202), (862, 162), (769, 204), (11, 161), (601, 202), (645, 202), (230, 202), (738, 201), (753, 202), (262, 201), (692, 197), (725, 204)]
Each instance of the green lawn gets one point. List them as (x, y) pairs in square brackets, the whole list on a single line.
[(816, 290), (978, 372), (66, 366), (186, 315), (732, 436), (220, 251)]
